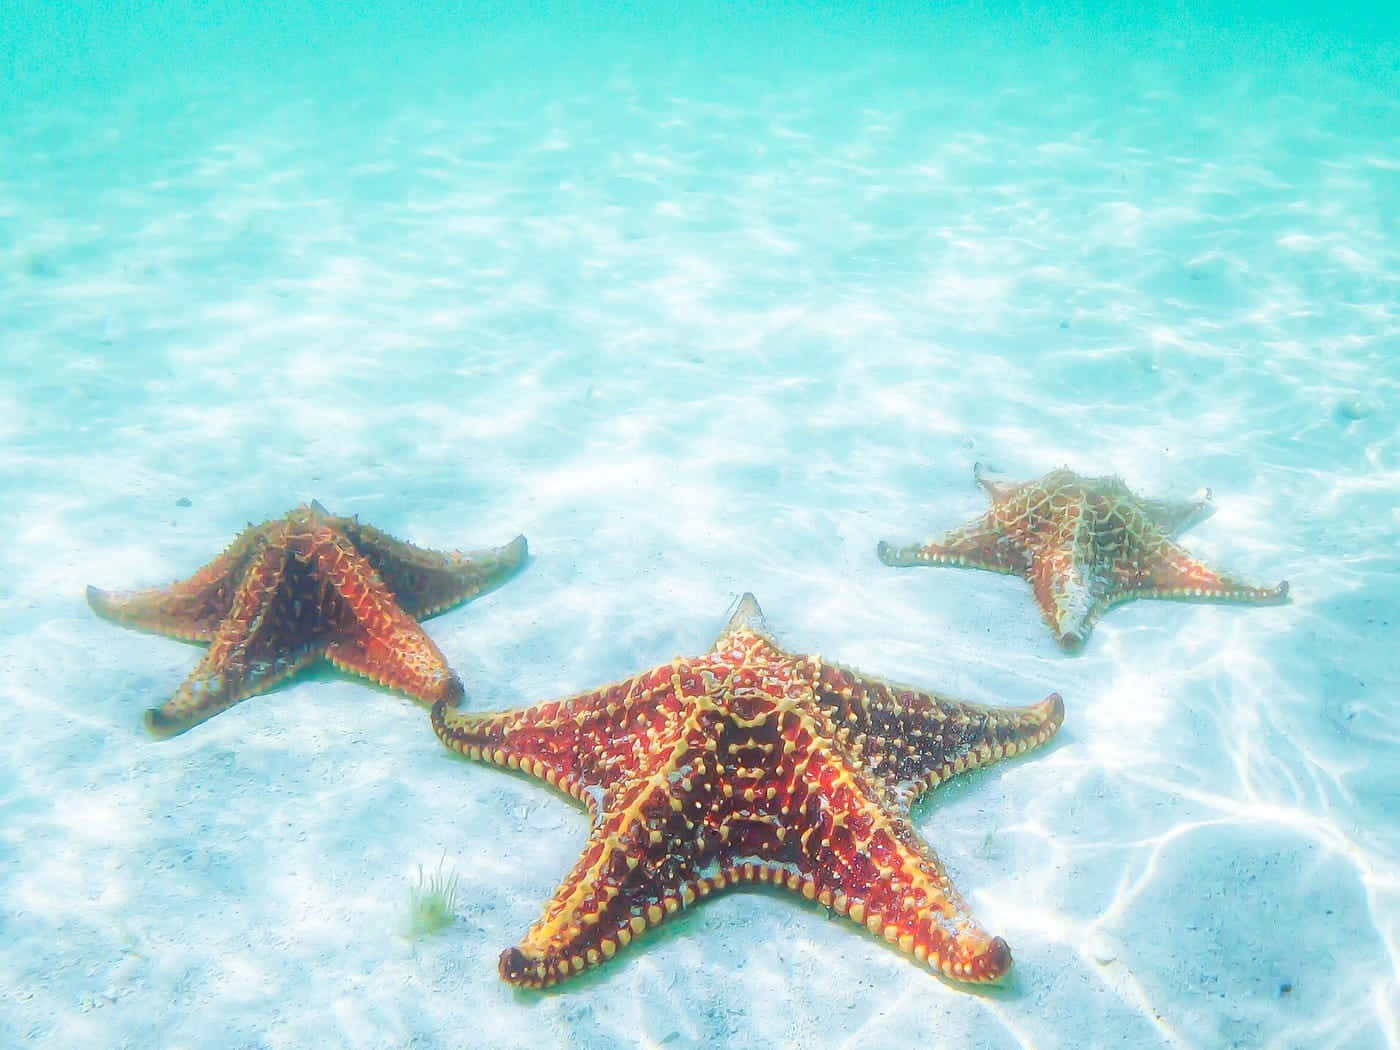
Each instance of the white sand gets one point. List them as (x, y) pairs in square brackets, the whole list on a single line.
[(697, 328)]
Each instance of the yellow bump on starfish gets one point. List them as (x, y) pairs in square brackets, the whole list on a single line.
[(1085, 544), (751, 764), (301, 588)]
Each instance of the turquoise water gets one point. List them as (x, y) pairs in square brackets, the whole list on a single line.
[(702, 303)]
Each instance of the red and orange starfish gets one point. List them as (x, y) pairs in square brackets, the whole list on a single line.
[(301, 588), (750, 764), (1085, 544)]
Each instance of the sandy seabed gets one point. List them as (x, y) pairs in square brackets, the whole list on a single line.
[(696, 335)]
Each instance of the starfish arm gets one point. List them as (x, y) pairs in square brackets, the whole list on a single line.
[(1176, 516), (247, 654), (638, 867), (577, 744), (1068, 594), (849, 849), (819, 828), (426, 582), (982, 544), (995, 488), (746, 617), (647, 857), (368, 631), (1168, 571), (406, 660), (913, 740), (189, 609)]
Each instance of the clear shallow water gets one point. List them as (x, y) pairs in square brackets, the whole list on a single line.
[(701, 305)]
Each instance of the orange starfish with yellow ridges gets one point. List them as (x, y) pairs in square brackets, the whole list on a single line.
[(305, 587), (751, 764), (1085, 544)]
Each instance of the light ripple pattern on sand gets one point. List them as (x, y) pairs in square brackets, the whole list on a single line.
[(698, 326)]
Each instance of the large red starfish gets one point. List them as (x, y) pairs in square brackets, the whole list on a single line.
[(1084, 544), (300, 588), (749, 763)]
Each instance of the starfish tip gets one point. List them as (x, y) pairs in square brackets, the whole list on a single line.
[(747, 616), (893, 556), (1052, 708), (517, 550), (1071, 641), (993, 963), (453, 692), (160, 725), (437, 717), (515, 967)]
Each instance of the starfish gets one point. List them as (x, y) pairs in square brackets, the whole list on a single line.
[(750, 764), (304, 587), (1085, 544)]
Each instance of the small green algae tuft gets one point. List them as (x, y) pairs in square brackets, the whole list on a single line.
[(432, 903)]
